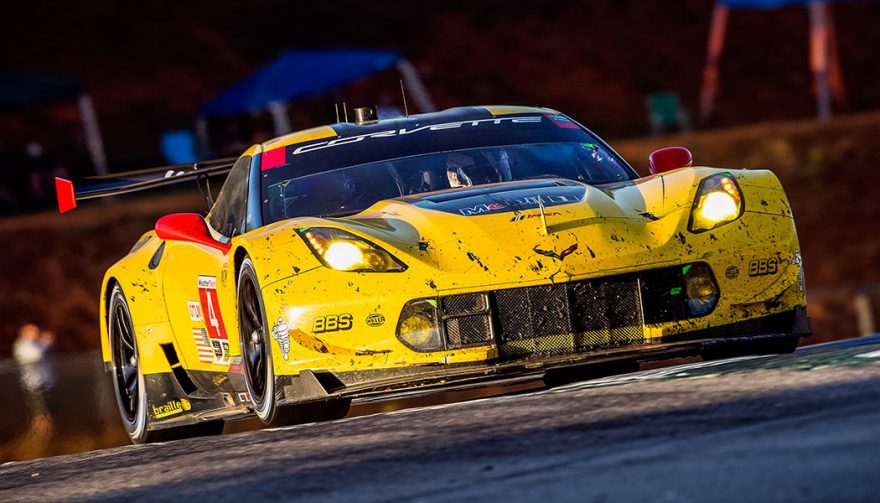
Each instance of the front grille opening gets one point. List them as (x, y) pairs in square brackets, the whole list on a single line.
[(568, 317), (470, 303), (467, 331)]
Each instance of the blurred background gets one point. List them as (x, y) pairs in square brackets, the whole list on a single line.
[(103, 86)]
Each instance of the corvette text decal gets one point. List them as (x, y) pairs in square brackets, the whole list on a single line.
[(403, 132)]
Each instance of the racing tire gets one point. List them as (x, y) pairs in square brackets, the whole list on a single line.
[(129, 384), (257, 361), (776, 346)]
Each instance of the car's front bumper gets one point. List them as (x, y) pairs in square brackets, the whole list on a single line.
[(315, 386)]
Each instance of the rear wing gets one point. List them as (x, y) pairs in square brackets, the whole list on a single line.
[(132, 181)]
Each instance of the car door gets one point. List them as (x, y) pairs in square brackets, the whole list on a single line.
[(199, 283)]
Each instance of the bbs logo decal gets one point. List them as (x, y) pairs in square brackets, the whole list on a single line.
[(764, 266), (331, 323)]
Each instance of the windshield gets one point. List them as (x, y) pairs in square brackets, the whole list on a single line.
[(350, 190)]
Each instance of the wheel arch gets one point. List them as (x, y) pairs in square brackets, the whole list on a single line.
[(109, 284), (238, 258)]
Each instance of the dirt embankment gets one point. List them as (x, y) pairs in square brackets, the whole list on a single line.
[(52, 265)]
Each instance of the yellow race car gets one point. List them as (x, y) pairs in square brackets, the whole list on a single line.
[(434, 250)]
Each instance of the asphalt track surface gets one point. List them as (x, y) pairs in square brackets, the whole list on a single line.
[(801, 427)]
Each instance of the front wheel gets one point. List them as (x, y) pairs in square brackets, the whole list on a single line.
[(259, 373), (256, 350)]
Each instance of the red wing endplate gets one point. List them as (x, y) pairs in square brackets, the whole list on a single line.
[(133, 181)]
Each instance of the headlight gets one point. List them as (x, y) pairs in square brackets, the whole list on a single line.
[(702, 292), (343, 251), (719, 201), (419, 326)]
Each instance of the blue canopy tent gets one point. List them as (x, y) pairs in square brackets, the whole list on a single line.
[(824, 61), (22, 89), (301, 73)]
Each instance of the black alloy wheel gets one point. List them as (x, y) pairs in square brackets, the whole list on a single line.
[(255, 344)]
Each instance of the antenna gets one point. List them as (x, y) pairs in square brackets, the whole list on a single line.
[(543, 215), (403, 94), (345, 111), (336, 107)]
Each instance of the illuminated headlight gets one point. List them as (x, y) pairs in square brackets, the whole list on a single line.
[(343, 251), (419, 326), (701, 289), (719, 201)]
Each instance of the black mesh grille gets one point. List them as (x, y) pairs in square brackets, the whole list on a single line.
[(569, 317), (470, 303), (468, 331)]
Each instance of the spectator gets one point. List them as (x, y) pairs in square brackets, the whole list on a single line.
[(31, 351)]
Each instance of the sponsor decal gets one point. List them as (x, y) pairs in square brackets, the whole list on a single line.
[(482, 208), (332, 323), (732, 272), (244, 398), (171, 408), (520, 203), (764, 266), (521, 217), (558, 256), (542, 200), (404, 132), (195, 310), (375, 320), (214, 327), (281, 333), (203, 345), (798, 261)]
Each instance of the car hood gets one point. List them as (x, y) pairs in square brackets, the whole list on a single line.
[(524, 231)]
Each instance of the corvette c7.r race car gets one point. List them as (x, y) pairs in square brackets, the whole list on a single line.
[(434, 250)]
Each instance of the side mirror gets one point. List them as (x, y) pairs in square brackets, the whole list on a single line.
[(189, 227), (669, 158)]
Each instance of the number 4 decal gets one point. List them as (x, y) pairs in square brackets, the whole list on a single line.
[(214, 322)]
